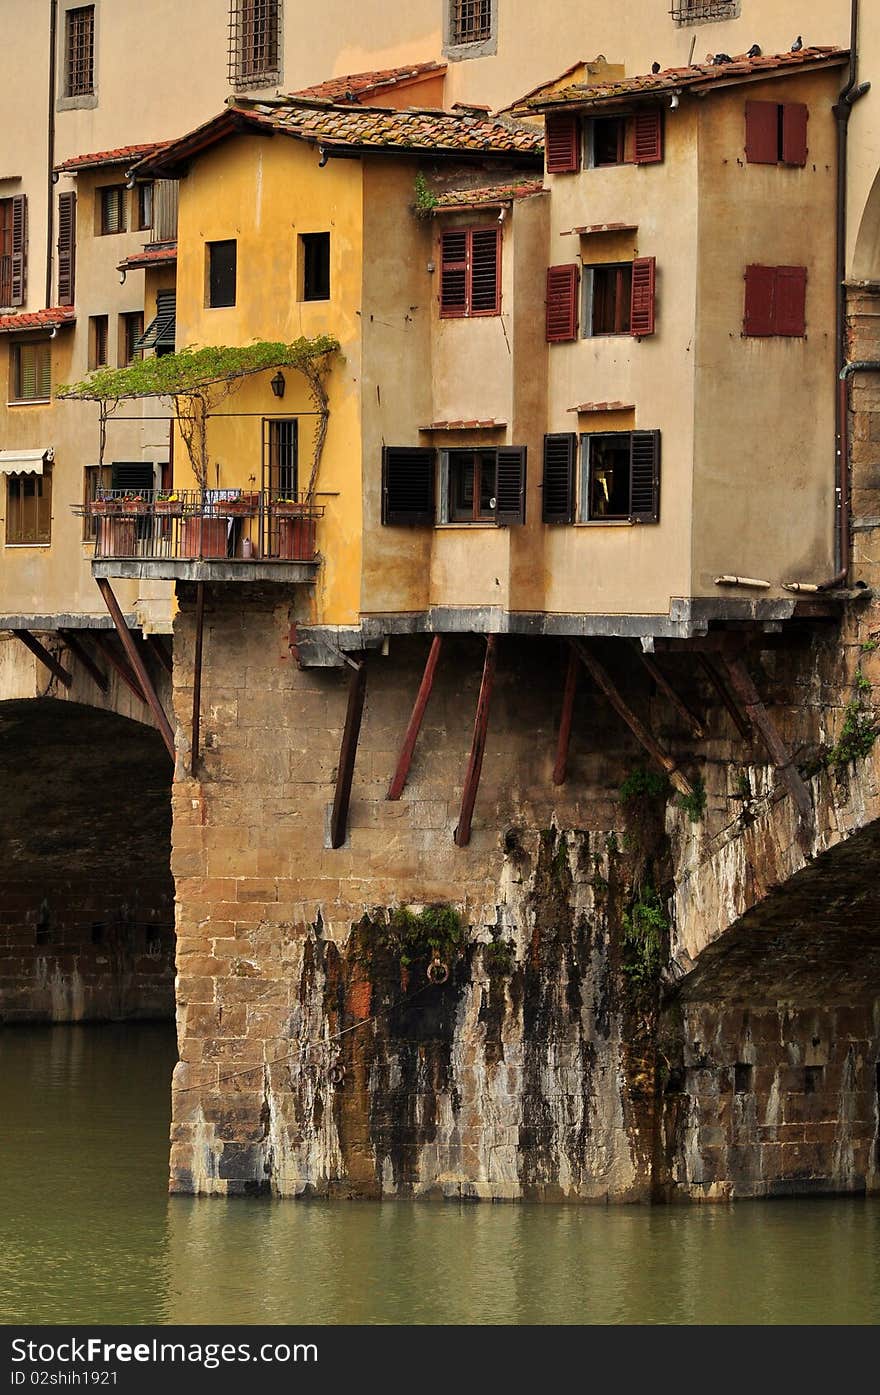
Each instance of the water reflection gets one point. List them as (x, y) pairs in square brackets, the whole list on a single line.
[(87, 1233)]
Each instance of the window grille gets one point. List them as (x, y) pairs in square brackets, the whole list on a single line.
[(254, 46), (471, 21), (690, 11), (80, 51)]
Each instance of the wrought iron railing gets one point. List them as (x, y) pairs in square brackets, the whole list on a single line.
[(231, 525), (684, 11)]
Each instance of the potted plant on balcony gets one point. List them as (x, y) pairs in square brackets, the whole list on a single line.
[(134, 503), (244, 506), (168, 503), (296, 528), (100, 507)]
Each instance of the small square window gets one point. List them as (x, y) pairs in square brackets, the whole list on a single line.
[(471, 21), (222, 257), (111, 209), (607, 299), (29, 508), (98, 325), (315, 263), (472, 475), (31, 372)]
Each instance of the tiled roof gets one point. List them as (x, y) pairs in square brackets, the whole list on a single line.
[(38, 319), (124, 155), (356, 85), (489, 194), (161, 255), (698, 77)]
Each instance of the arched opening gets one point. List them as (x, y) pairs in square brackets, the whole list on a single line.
[(866, 254), (86, 893)]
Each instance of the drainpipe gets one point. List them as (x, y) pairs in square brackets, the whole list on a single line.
[(50, 202)]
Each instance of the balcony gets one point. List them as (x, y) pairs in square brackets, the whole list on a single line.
[(203, 535)]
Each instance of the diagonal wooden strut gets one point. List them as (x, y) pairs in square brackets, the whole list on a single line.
[(678, 703), (635, 724), (357, 686), (560, 769), (395, 789), (197, 677), (118, 664), (744, 687), (76, 646), (718, 684), (137, 663), (42, 653), (462, 835), (158, 647)]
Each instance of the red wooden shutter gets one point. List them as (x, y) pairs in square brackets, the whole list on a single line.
[(642, 301), (791, 300), (762, 133), (560, 453), (562, 143), (794, 133), (510, 485), (19, 249), (453, 274), (648, 136), (562, 302), (644, 477), (485, 263), (408, 485), (759, 317), (66, 248)]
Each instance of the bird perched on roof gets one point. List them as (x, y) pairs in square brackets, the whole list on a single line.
[(655, 66), (721, 58), (797, 45), (754, 51)]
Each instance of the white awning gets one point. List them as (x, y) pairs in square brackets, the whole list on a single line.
[(25, 462)]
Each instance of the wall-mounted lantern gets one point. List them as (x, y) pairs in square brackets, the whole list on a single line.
[(278, 384)]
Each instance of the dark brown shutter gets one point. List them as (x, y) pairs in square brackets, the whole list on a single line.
[(560, 455), (644, 477), (562, 302), (485, 262), (791, 300), (762, 133), (510, 485), (453, 274), (562, 143), (19, 249), (648, 136), (759, 317), (642, 297), (66, 248), (794, 133), (408, 485)]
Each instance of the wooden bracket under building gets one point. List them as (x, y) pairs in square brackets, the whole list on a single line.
[(197, 678), (718, 684), (603, 679), (744, 687), (462, 835), (158, 647), (681, 707), (357, 685), (42, 653), (395, 789), (76, 646), (560, 769), (136, 661), (118, 664)]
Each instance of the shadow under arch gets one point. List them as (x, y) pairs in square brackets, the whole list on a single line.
[(866, 253), (86, 893)]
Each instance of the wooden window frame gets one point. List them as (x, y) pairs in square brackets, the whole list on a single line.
[(464, 308), (485, 471), (280, 476), (13, 261), (99, 342), (776, 133), (622, 299), (622, 123), (562, 142), (503, 471), (79, 51), (117, 193), (40, 532), (67, 248), (562, 303), (143, 201), (130, 325), (213, 288), (640, 137), (308, 244), (5, 252), (643, 480), (15, 384)]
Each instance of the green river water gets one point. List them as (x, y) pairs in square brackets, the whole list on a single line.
[(88, 1234)]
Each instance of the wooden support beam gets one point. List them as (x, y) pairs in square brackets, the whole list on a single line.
[(395, 789), (166, 731), (714, 677), (560, 769), (46, 659), (667, 689), (197, 678), (158, 647), (601, 676), (77, 647), (744, 687), (462, 835), (118, 664), (342, 798)]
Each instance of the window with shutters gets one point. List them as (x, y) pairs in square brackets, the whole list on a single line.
[(483, 486), (620, 477), (66, 248), (408, 485), (5, 252), (13, 250), (131, 328), (221, 273), (96, 479), (314, 264), (626, 139), (562, 303), (607, 298), (775, 301), (776, 133), (255, 42), (29, 509), (144, 205), (111, 209), (160, 333), (470, 272), (79, 51), (562, 142), (31, 371), (98, 335)]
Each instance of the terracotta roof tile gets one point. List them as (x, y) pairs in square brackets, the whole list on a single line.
[(603, 407), (489, 194), (490, 424), (700, 76), (38, 319), (353, 86), (124, 155), (164, 254)]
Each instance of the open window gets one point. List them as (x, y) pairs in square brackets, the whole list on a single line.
[(159, 334), (29, 508), (615, 479), (477, 485), (624, 138)]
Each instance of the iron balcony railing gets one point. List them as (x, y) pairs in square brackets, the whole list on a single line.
[(231, 525)]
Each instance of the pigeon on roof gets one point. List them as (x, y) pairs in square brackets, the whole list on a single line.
[(797, 45), (754, 51), (655, 67)]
